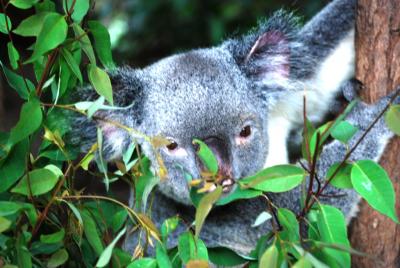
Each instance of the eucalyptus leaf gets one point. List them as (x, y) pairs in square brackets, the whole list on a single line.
[(269, 258), (22, 86), (261, 218), (342, 179), (13, 167), (190, 248), (372, 182), (23, 4), (204, 208), (58, 258), (143, 263), (333, 229), (79, 10), (72, 64), (5, 224), (102, 44), (162, 256), (91, 232), (275, 179), (4, 21), (84, 41), (105, 256), (392, 118), (343, 131), (101, 82), (52, 34), (238, 194), (13, 55), (207, 156), (29, 121), (36, 182), (32, 25)]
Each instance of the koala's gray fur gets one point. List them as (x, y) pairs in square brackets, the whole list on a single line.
[(257, 80)]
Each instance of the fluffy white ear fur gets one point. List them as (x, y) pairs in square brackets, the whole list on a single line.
[(319, 90)]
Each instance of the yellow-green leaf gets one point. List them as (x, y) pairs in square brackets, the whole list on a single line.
[(101, 82), (269, 258), (204, 208)]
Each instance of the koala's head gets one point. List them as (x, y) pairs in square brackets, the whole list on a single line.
[(216, 95)]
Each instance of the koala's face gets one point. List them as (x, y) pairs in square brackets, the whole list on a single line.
[(202, 95)]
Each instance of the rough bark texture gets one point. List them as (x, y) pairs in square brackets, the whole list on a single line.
[(378, 68)]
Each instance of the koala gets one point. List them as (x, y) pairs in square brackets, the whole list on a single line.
[(242, 98)]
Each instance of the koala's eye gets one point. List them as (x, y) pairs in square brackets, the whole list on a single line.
[(245, 132), (172, 146)]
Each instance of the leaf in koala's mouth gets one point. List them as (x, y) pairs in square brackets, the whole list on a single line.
[(206, 156)]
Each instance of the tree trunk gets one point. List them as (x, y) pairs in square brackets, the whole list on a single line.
[(378, 68)]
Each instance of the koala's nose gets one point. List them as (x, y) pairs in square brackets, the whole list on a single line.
[(219, 147)]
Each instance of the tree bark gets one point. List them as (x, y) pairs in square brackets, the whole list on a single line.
[(378, 68)]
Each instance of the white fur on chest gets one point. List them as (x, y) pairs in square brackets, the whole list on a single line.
[(320, 91)]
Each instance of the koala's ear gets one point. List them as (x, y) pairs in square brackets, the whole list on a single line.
[(113, 123), (264, 54)]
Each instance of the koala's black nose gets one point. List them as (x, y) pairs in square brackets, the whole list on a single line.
[(220, 149)]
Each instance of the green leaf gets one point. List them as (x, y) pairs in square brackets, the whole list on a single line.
[(13, 167), (143, 263), (333, 230), (102, 43), (5, 224), (275, 179), (53, 238), (105, 256), (58, 258), (343, 131), (191, 248), (101, 82), (52, 34), (13, 55), (392, 118), (204, 208), (17, 82), (261, 218), (307, 255), (9, 208), (72, 64), (37, 182), (225, 257), (75, 211), (342, 179), (84, 40), (206, 156), (168, 226), (23, 4), (371, 181), (237, 194), (32, 25), (307, 135), (4, 23), (162, 256), (269, 258), (144, 185), (91, 232), (24, 257), (45, 6), (290, 225), (81, 7)]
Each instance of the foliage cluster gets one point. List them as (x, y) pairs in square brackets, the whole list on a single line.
[(46, 222)]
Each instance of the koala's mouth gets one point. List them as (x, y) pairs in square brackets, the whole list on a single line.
[(226, 183)]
